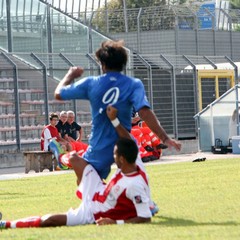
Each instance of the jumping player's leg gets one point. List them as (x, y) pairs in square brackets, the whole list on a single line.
[(78, 164)]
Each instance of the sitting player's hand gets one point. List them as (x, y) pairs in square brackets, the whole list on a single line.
[(111, 112), (105, 221)]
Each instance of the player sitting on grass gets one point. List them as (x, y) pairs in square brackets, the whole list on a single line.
[(63, 159), (125, 199)]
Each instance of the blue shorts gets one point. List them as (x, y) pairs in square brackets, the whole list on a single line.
[(101, 160)]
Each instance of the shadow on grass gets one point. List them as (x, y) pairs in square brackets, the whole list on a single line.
[(11, 193), (168, 221)]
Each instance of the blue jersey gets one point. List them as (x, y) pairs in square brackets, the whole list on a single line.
[(113, 88)]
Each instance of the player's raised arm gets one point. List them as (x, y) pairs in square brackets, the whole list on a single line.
[(73, 72)]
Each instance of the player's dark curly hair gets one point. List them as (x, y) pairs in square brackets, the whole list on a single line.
[(53, 115), (113, 55), (128, 149)]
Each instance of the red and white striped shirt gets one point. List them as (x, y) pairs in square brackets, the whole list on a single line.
[(124, 197), (47, 134)]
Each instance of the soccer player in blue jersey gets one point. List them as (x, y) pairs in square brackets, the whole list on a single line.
[(117, 89)]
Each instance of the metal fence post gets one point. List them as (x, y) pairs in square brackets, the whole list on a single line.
[(138, 31), (49, 29), (45, 85), (196, 30), (149, 78), (49, 37), (196, 34), (230, 30), (176, 35), (210, 62), (16, 97), (195, 78), (174, 97), (236, 88), (90, 40), (213, 29), (125, 16), (106, 17), (69, 63), (9, 26)]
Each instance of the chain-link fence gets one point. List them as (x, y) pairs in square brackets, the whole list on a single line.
[(28, 82), (166, 43), (46, 27)]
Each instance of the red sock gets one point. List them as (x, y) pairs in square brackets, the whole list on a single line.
[(5, 224), (64, 159), (26, 222)]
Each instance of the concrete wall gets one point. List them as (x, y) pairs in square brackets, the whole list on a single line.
[(16, 159), (11, 160)]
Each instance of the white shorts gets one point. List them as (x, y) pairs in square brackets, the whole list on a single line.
[(90, 184)]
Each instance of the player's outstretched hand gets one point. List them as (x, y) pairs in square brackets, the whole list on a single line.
[(171, 143), (111, 112)]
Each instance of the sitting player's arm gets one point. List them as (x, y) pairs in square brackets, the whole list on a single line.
[(79, 138), (62, 140), (112, 115), (106, 221), (70, 139), (66, 137)]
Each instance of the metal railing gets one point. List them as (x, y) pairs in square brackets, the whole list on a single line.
[(170, 82)]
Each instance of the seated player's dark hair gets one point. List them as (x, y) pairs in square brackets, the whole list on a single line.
[(53, 115), (113, 55), (128, 149)]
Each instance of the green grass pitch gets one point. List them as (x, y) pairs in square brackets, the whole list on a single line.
[(196, 200)]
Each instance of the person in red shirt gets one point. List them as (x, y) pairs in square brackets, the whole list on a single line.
[(50, 132)]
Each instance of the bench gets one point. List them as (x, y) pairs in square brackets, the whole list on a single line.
[(39, 160)]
